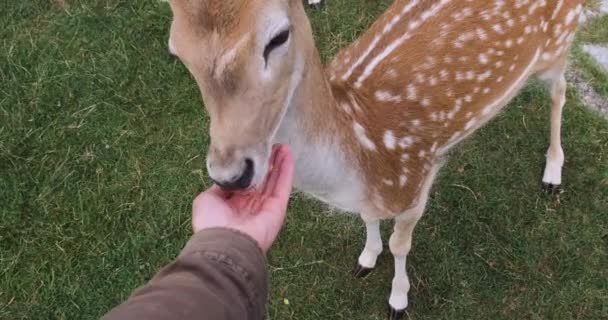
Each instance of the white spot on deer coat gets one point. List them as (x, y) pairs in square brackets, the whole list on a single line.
[(385, 96), (483, 58), (570, 16), (392, 73), (481, 34), (362, 137), (389, 140), (402, 180), (411, 92), (406, 142), (498, 28), (558, 7), (482, 77), (426, 102)]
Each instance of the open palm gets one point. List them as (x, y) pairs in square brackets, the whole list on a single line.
[(258, 212)]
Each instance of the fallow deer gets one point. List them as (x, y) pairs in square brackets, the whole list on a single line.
[(370, 130)]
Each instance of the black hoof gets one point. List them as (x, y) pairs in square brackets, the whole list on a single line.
[(395, 314), (552, 188), (361, 271), (316, 6)]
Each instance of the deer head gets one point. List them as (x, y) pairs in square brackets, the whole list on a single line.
[(247, 60)]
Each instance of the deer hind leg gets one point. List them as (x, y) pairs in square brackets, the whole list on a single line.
[(400, 244), (556, 83), (373, 248)]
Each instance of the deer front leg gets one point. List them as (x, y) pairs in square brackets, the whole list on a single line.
[(400, 243), (552, 177), (373, 248)]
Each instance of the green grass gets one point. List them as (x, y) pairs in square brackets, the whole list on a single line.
[(594, 32), (102, 141)]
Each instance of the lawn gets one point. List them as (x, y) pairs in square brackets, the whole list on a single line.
[(102, 143)]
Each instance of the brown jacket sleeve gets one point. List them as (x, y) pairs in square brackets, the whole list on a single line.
[(220, 274)]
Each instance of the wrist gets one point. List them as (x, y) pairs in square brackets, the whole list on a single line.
[(225, 232)]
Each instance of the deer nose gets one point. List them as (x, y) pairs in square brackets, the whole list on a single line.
[(239, 182)]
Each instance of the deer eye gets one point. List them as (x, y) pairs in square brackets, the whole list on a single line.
[(276, 42)]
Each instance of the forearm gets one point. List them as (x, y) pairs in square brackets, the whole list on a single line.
[(220, 274)]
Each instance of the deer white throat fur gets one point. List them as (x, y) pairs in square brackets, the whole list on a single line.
[(369, 131)]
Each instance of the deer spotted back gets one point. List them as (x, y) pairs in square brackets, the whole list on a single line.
[(428, 73)]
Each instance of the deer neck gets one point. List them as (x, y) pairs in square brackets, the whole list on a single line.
[(315, 129), (312, 112)]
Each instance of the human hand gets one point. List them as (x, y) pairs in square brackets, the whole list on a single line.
[(259, 213)]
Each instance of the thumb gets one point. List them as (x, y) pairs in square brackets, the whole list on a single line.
[(274, 208)]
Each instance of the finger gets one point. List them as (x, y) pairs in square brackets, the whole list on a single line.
[(281, 188), (213, 192), (272, 169), (274, 174), (272, 222), (275, 171), (275, 147), (275, 153), (217, 191), (274, 207)]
